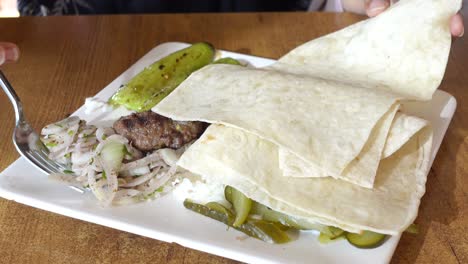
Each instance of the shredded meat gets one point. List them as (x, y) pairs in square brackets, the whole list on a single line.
[(149, 131)]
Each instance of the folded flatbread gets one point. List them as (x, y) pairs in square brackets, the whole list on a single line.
[(250, 164), (328, 108), (323, 123), (329, 104), (361, 170), (403, 50), (365, 165)]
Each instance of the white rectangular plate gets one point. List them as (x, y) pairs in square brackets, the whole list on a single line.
[(166, 219)]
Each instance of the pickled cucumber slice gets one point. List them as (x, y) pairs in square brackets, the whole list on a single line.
[(228, 193), (260, 229), (227, 60), (159, 79), (220, 208), (333, 232), (246, 205), (294, 222), (367, 239), (324, 239), (241, 203)]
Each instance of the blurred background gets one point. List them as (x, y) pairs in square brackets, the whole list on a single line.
[(15, 8), (12, 8)]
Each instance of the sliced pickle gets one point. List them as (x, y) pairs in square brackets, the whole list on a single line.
[(241, 203), (228, 193), (367, 239), (324, 239), (221, 209), (227, 60), (333, 232), (260, 229), (266, 231), (294, 222)]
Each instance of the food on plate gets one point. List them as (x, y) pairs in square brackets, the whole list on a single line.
[(227, 60), (260, 229), (108, 164), (135, 159), (312, 115), (388, 208), (403, 50), (281, 225), (367, 239), (324, 139), (149, 131), (156, 81), (316, 141), (241, 204), (303, 115)]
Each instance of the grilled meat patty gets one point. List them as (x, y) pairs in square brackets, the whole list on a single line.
[(149, 131)]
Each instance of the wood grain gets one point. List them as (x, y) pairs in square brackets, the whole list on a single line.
[(65, 59)]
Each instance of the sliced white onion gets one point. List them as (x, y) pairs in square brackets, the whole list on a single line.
[(136, 171), (142, 179), (156, 183), (169, 156), (60, 126), (58, 154), (125, 197), (65, 178), (79, 158), (98, 150), (87, 131), (113, 138), (135, 153), (141, 162), (86, 143), (126, 193), (103, 132), (97, 190), (111, 187)]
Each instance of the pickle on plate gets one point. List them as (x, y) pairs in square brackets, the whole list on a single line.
[(294, 222), (159, 79), (227, 60), (260, 229), (324, 239), (332, 232), (366, 239), (221, 209), (241, 203)]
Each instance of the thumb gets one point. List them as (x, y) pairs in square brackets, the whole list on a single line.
[(375, 7), (9, 52), (2, 55)]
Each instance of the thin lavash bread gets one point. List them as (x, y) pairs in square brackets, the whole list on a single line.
[(324, 123), (250, 164), (324, 120)]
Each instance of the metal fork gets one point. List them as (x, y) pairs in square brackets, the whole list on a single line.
[(27, 141)]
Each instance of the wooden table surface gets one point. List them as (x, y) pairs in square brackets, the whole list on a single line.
[(65, 59)]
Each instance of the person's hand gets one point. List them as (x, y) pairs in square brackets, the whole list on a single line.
[(375, 7), (9, 52)]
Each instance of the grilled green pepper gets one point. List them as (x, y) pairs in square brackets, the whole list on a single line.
[(260, 229), (159, 79)]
